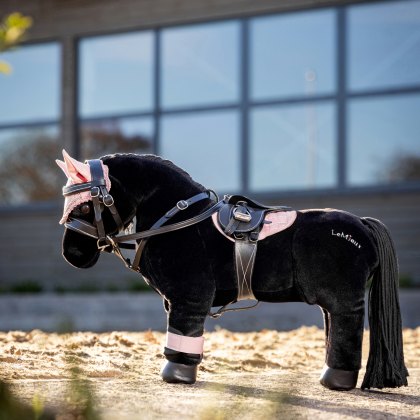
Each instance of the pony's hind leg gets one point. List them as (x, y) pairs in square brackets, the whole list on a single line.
[(343, 350)]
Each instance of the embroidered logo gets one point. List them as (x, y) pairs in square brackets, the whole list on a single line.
[(346, 237)]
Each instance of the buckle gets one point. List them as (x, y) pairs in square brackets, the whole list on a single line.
[(102, 243), (108, 200), (182, 204), (94, 192), (242, 217)]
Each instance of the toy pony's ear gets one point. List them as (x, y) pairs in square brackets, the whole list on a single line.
[(75, 170)]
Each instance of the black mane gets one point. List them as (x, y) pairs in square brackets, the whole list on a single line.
[(155, 161)]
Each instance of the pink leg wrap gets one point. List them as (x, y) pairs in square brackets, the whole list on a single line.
[(184, 344)]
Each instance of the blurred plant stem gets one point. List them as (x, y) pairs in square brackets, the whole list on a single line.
[(11, 408), (12, 31), (80, 401)]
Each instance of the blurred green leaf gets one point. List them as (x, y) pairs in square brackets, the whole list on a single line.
[(37, 406), (17, 20), (12, 31), (5, 68)]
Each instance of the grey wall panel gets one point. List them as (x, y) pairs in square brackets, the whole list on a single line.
[(30, 248)]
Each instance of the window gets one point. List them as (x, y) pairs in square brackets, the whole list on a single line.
[(384, 45), (29, 132), (28, 172), (384, 140), (205, 145), (293, 54), (200, 64), (116, 74), (122, 135), (293, 147), (383, 128), (32, 91)]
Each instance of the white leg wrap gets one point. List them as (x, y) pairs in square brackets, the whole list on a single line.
[(184, 344)]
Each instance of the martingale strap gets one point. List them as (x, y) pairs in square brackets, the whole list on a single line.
[(158, 229), (180, 206)]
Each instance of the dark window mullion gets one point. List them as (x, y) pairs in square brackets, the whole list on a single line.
[(75, 119), (341, 97), (157, 90), (244, 105)]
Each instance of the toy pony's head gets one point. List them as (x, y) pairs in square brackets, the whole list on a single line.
[(90, 211)]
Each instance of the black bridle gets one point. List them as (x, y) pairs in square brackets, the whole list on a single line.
[(102, 199)]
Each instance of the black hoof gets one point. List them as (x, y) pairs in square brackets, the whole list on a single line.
[(177, 373), (339, 380)]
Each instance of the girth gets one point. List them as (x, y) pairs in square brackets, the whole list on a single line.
[(242, 219)]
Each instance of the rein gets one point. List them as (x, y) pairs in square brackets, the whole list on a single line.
[(101, 198)]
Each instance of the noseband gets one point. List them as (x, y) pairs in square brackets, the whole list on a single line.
[(101, 199)]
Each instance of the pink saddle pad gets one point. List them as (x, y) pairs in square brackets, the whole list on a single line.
[(280, 220)]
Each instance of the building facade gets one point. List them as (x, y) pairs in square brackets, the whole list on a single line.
[(310, 104)]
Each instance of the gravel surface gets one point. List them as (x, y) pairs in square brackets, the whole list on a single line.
[(254, 375)]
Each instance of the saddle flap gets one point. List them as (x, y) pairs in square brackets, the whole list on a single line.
[(247, 218)]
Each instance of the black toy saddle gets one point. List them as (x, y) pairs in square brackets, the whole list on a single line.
[(242, 219)]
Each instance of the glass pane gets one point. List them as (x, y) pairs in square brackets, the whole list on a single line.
[(200, 64), (32, 91), (293, 54), (116, 74), (206, 145), (293, 147), (384, 45), (384, 140), (28, 171), (124, 135)]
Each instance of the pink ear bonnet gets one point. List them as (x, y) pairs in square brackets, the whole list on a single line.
[(77, 173)]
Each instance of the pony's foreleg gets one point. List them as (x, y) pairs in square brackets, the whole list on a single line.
[(343, 351), (184, 343)]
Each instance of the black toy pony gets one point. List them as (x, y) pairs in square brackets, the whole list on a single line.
[(197, 252)]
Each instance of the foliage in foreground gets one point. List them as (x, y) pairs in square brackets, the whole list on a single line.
[(12, 31), (79, 403)]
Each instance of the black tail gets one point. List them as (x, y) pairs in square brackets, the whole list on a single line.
[(385, 367)]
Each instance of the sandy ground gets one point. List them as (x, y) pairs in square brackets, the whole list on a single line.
[(258, 375)]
